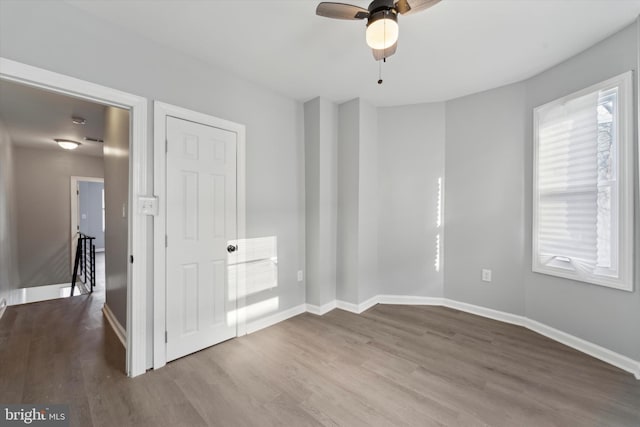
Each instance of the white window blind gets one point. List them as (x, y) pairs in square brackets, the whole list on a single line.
[(580, 212), (567, 184)]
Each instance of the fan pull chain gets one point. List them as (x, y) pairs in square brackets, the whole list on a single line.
[(384, 41)]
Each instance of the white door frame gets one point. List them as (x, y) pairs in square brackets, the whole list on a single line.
[(137, 282), (161, 112), (75, 221)]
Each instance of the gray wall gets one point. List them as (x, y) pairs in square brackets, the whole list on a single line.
[(39, 32), (9, 278), (411, 143), (488, 205), (368, 277), (90, 209), (116, 197), (484, 205), (357, 230), (348, 188), (608, 317), (320, 118), (43, 203)]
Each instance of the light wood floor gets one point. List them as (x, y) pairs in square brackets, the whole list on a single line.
[(393, 365)]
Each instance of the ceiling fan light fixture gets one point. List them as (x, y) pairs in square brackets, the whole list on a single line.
[(382, 30), (67, 144)]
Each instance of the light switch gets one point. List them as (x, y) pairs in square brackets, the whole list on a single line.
[(486, 275), (148, 205)]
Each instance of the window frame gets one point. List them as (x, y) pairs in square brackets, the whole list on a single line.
[(625, 163)]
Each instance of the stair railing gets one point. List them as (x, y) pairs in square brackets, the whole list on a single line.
[(84, 265)]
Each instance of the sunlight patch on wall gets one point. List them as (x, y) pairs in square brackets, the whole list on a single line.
[(256, 267)]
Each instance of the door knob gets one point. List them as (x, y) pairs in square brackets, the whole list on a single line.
[(231, 248)]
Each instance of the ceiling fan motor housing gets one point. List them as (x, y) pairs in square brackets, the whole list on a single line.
[(377, 5), (382, 9)]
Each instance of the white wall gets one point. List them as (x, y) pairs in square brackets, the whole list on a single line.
[(410, 161), (9, 278), (43, 206), (484, 205), (39, 33)]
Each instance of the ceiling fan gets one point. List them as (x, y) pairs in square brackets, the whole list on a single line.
[(382, 20)]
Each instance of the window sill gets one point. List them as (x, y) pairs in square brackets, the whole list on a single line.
[(608, 282)]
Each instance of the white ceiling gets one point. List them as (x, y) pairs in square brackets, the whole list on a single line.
[(34, 117), (456, 48)]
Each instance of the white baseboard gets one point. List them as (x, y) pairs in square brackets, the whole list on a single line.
[(408, 300), (347, 306), (265, 322), (320, 310), (115, 325), (366, 305), (485, 312), (623, 362), (357, 308)]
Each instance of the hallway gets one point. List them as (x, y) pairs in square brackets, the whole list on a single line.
[(59, 350)]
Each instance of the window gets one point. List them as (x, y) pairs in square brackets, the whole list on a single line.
[(583, 185)]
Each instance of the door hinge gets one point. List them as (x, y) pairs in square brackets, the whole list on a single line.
[(166, 339), (166, 145), (166, 241), (131, 259)]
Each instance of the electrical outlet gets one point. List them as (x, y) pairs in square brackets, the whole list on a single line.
[(486, 275), (300, 276)]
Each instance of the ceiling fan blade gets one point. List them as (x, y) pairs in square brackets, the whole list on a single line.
[(341, 11), (407, 7), (380, 54)]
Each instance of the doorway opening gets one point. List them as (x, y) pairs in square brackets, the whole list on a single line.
[(88, 226), (129, 170)]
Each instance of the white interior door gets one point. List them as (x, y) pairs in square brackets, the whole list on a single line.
[(201, 222), (76, 216)]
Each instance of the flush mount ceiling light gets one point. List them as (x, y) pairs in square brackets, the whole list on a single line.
[(78, 121), (67, 144), (382, 20)]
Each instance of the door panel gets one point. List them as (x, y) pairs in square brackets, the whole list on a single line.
[(201, 220)]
